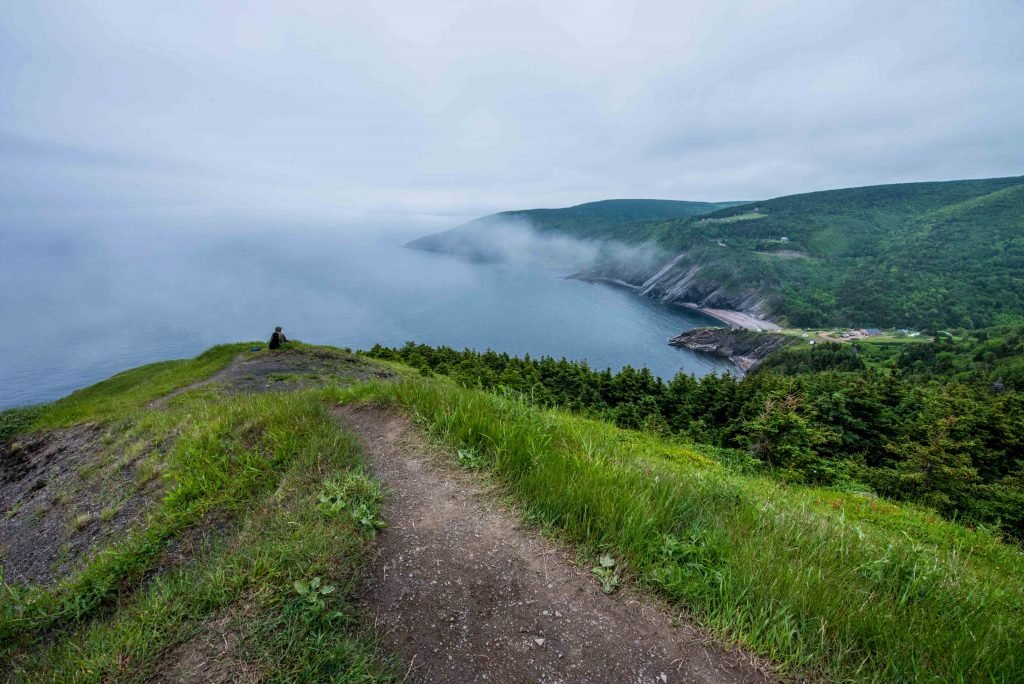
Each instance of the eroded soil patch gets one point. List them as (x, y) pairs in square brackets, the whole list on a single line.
[(287, 370), (464, 592), (64, 493)]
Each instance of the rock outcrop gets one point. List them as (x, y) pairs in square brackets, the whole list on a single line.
[(745, 348)]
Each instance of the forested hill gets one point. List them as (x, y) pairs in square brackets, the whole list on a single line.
[(925, 255), (592, 220), (920, 254)]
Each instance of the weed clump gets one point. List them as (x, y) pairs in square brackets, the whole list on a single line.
[(606, 574), (81, 521), (470, 459), (312, 593), (357, 495)]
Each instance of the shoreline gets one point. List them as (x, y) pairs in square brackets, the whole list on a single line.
[(746, 349), (734, 319)]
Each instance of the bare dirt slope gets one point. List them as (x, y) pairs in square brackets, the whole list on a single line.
[(465, 593), (63, 494)]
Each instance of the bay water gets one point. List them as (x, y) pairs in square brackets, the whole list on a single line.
[(79, 304)]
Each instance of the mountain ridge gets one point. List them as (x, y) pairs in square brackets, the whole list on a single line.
[(593, 217)]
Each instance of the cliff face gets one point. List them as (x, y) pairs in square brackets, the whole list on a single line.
[(686, 280), (745, 348)]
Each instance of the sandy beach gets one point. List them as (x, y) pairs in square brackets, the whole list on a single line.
[(737, 319)]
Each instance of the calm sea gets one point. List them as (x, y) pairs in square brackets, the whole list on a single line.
[(79, 305)]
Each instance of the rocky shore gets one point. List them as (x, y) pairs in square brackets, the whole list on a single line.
[(745, 348)]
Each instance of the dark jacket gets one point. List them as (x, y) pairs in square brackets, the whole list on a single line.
[(277, 339)]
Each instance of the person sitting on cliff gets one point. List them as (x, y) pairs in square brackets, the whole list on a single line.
[(277, 339)]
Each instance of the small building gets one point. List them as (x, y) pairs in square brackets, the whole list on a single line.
[(872, 332), (784, 239)]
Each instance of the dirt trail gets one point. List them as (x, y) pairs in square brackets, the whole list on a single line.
[(464, 592)]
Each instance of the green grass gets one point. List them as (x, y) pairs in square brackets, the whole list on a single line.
[(257, 464), (827, 584), (127, 391)]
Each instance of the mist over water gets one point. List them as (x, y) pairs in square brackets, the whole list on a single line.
[(81, 304), (515, 239)]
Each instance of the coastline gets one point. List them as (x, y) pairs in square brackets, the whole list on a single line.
[(734, 319)]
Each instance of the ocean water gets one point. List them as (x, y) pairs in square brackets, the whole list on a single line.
[(81, 303)]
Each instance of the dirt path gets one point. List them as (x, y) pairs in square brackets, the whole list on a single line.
[(464, 592)]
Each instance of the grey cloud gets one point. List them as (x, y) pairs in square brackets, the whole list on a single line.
[(458, 109), (26, 150)]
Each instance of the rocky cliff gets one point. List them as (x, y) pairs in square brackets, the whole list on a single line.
[(745, 348), (687, 279)]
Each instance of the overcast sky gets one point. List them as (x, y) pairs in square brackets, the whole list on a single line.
[(395, 111)]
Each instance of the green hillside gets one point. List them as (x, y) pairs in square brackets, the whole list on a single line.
[(928, 255), (924, 255)]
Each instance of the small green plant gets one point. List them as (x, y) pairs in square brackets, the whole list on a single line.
[(312, 593), (108, 513), (470, 459), (147, 472), (359, 496), (606, 574)]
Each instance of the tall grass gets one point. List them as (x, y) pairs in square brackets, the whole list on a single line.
[(827, 584)]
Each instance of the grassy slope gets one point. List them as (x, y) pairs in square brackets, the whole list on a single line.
[(257, 464), (837, 585), (826, 583), (923, 254)]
